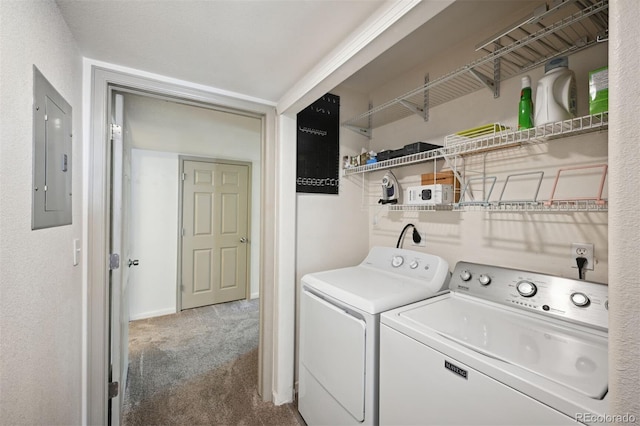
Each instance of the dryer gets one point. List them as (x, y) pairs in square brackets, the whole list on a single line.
[(339, 330), (503, 347)]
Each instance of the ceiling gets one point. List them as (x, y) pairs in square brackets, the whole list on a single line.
[(257, 48), (261, 48)]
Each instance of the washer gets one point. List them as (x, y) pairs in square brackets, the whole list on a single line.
[(504, 347), (339, 330)]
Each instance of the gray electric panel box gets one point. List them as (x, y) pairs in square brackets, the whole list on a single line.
[(51, 205)]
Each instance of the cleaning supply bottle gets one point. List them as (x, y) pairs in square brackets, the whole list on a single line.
[(556, 93), (525, 114)]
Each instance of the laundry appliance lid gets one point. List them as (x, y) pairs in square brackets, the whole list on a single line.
[(568, 356), (370, 289)]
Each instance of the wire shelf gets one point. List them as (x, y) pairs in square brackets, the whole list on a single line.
[(538, 206), (522, 48), (419, 208), (495, 141)]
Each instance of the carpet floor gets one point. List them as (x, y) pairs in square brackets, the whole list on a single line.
[(199, 367)]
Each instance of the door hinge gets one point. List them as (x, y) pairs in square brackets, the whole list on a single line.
[(184, 176), (113, 389), (115, 130), (183, 232), (114, 261)]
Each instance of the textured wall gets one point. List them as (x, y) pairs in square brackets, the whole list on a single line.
[(624, 223), (40, 289)]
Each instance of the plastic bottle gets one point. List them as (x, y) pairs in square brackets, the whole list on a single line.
[(525, 114), (556, 93)]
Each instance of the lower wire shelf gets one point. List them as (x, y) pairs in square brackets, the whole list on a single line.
[(509, 207), (537, 206)]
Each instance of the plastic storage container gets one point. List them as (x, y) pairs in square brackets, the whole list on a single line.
[(556, 93)]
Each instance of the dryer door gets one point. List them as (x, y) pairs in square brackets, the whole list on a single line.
[(332, 349)]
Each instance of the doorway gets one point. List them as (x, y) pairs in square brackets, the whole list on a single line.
[(104, 83), (164, 134), (215, 222)]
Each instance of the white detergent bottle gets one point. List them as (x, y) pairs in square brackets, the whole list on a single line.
[(556, 93)]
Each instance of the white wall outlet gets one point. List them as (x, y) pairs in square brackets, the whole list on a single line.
[(582, 250), (423, 241)]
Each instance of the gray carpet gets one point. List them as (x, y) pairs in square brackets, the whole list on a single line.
[(199, 367)]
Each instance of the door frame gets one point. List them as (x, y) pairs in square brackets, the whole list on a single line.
[(98, 83), (181, 160)]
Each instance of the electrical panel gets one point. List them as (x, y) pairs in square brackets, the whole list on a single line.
[(51, 201)]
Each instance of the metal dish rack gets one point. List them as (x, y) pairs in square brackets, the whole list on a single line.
[(565, 27)]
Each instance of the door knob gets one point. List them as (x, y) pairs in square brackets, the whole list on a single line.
[(243, 240), (133, 262)]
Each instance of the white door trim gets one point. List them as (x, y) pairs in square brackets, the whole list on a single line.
[(181, 160), (98, 80)]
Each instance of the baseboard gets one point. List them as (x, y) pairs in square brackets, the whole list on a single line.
[(152, 314), (254, 295)]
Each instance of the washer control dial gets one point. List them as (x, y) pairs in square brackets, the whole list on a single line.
[(465, 275), (580, 299), (397, 261), (526, 288), (484, 279), (414, 264)]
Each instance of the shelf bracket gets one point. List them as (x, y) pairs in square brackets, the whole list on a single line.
[(364, 131), (496, 74), (426, 98), (489, 83), (412, 107), (422, 111), (359, 130)]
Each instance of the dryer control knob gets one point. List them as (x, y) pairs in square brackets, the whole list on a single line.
[(414, 264), (397, 261), (580, 299), (484, 279), (465, 275), (526, 288)]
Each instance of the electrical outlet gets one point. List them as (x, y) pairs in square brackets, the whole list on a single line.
[(423, 241), (582, 250)]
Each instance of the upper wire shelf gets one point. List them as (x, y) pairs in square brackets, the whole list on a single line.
[(497, 140), (515, 51)]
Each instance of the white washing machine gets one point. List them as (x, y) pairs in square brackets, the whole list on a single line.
[(503, 347), (339, 330)]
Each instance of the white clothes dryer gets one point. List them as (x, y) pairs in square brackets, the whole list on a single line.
[(339, 330), (503, 347)]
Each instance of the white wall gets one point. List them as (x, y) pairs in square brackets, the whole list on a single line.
[(41, 294), (160, 131), (332, 230), (154, 214), (534, 241), (624, 231)]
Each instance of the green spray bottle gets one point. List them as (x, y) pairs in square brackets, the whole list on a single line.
[(525, 114)]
